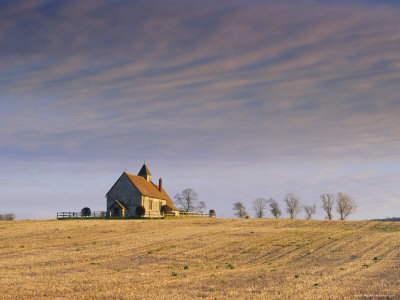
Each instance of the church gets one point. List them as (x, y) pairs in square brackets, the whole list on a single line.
[(137, 195)]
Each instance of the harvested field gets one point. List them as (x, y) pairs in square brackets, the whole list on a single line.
[(199, 258)]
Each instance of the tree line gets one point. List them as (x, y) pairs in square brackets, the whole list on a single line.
[(341, 202), (7, 217)]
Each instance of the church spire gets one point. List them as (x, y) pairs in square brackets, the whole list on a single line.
[(144, 172)]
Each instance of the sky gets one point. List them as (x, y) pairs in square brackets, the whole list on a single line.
[(236, 99)]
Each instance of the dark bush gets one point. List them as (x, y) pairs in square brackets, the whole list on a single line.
[(86, 212), (164, 209), (211, 213), (140, 211)]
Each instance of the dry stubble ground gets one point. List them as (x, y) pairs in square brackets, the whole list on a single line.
[(199, 258)]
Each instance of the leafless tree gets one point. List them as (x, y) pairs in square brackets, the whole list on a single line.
[(240, 210), (274, 208), (187, 200), (310, 210), (292, 205), (345, 205), (259, 206), (201, 206), (327, 204)]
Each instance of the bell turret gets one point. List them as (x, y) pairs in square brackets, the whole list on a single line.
[(144, 172)]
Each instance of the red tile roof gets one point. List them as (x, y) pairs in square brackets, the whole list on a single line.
[(118, 203), (150, 189)]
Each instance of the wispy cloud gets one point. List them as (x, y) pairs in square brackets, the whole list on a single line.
[(207, 81)]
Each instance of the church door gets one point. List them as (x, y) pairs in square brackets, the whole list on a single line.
[(116, 211)]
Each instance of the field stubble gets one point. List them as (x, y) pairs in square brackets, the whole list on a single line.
[(199, 258)]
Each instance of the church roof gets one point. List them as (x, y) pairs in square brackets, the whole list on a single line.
[(148, 188), (119, 203), (144, 171)]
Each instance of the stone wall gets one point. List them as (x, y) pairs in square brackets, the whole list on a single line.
[(125, 192)]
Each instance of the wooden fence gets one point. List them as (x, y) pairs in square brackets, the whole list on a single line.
[(193, 214), (78, 215), (150, 214)]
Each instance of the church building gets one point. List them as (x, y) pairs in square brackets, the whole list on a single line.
[(137, 195)]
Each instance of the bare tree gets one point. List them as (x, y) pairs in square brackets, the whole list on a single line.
[(187, 200), (327, 204), (201, 206), (240, 210), (259, 206), (310, 210), (292, 205), (345, 205), (274, 208)]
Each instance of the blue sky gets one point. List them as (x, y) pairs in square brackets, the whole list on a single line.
[(236, 99)]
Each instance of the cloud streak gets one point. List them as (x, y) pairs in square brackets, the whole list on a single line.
[(182, 81)]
